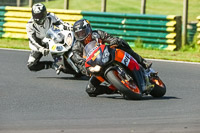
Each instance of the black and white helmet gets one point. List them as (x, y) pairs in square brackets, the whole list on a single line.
[(39, 13), (82, 29)]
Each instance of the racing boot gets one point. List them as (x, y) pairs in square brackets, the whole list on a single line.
[(59, 69)]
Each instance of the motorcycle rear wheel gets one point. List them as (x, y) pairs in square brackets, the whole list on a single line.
[(125, 87), (159, 89)]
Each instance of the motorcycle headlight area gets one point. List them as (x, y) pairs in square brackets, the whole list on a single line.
[(68, 39), (106, 55), (58, 38), (96, 68)]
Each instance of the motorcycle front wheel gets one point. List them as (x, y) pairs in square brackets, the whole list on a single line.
[(125, 86)]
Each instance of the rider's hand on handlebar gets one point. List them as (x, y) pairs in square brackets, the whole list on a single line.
[(44, 51)]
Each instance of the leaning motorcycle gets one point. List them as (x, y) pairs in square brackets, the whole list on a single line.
[(60, 43), (115, 68)]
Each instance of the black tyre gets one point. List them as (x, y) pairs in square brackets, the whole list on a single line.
[(160, 89), (128, 88)]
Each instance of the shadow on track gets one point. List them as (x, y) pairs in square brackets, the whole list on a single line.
[(143, 98), (161, 98), (66, 78)]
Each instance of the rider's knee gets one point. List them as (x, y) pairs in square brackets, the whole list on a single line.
[(31, 66), (90, 88)]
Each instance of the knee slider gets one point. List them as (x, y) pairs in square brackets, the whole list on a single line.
[(90, 88), (31, 66)]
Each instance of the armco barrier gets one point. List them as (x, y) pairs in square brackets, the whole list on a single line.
[(198, 30), (159, 31), (13, 20)]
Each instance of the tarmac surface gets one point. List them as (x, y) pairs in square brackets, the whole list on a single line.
[(43, 102)]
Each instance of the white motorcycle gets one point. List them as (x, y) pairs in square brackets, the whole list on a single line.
[(60, 43)]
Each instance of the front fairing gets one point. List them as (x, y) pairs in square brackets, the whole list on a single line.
[(59, 41), (97, 54)]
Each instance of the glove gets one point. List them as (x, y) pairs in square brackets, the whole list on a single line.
[(67, 26), (44, 51), (114, 41), (45, 44)]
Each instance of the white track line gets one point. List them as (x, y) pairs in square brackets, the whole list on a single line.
[(175, 61), (13, 49), (147, 59)]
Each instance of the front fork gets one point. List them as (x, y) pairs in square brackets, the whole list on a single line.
[(137, 76), (59, 60), (71, 62), (123, 74)]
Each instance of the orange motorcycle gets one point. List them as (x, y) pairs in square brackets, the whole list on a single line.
[(121, 73)]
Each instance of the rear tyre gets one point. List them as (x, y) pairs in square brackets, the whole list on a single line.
[(159, 89), (129, 89)]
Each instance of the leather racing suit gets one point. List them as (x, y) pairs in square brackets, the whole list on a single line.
[(35, 34)]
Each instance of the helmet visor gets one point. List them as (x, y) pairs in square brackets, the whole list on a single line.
[(40, 21), (81, 35), (40, 18)]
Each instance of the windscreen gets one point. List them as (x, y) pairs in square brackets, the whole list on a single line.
[(90, 47), (55, 34)]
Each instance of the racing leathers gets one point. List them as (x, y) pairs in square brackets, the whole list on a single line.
[(35, 34), (94, 88)]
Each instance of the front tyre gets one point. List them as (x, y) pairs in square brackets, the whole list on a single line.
[(128, 88)]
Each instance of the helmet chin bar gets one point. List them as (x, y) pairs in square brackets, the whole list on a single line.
[(88, 39), (40, 22)]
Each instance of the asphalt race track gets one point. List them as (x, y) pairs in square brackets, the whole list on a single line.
[(42, 102)]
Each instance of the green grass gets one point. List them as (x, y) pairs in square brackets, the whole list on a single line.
[(162, 7), (188, 53), (190, 56), (14, 43)]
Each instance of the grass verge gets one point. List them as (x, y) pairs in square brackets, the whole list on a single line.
[(189, 53), (14, 43)]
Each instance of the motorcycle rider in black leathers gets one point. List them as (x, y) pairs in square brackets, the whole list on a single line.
[(83, 35), (36, 29)]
